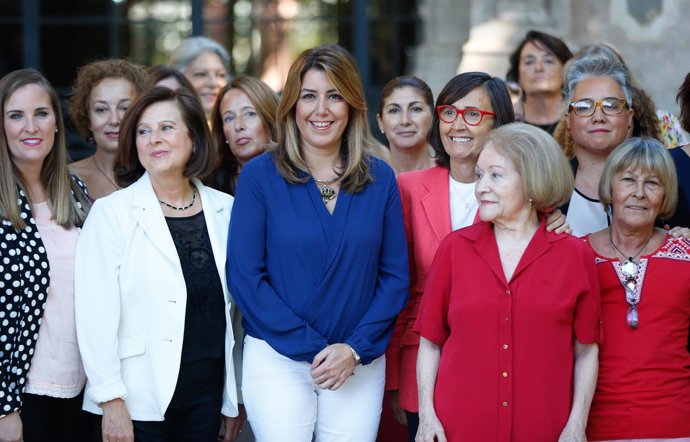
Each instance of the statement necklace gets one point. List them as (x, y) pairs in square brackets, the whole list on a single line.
[(630, 270), (326, 191), (93, 158), (185, 207)]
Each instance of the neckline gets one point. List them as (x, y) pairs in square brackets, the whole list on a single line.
[(646, 255)]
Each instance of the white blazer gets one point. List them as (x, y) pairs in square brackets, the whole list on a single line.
[(130, 300)]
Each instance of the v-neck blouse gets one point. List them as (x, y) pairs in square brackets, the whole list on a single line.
[(507, 354), (305, 278)]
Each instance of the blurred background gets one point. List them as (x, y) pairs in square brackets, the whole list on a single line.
[(433, 39)]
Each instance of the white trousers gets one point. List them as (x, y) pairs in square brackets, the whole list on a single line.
[(284, 405)]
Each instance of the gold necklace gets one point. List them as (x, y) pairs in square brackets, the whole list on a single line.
[(327, 192), (93, 158)]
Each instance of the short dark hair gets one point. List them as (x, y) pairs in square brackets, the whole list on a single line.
[(683, 100), (458, 87), (542, 40), (407, 81), (128, 168)]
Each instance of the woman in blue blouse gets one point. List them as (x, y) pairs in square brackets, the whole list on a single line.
[(317, 262)]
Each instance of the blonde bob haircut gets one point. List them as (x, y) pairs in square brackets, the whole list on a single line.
[(649, 155), (547, 178), (357, 145)]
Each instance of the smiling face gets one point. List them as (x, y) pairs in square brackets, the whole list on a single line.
[(599, 133), (405, 119), (30, 122), (208, 75), (636, 197), (243, 127), (108, 102), (321, 112), (540, 70), (163, 142), (499, 188), (459, 138)]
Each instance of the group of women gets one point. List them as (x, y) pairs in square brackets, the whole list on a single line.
[(135, 276)]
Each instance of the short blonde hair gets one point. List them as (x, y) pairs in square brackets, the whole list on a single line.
[(547, 178), (649, 155)]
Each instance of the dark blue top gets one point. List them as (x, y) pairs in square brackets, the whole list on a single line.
[(682, 162), (304, 278)]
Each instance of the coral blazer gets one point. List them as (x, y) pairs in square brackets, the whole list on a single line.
[(425, 198)]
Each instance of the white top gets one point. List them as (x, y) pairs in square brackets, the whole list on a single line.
[(585, 215), (463, 204), (56, 368)]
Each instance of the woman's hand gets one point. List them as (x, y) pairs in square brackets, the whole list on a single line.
[(233, 425), (333, 366), (430, 428), (571, 433), (679, 232), (398, 411), (117, 425), (555, 221), (11, 428)]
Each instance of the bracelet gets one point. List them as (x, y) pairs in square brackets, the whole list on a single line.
[(355, 355)]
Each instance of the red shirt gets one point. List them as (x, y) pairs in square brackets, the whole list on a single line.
[(643, 389), (506, 367)]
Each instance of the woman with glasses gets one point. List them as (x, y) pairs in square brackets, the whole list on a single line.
[(243, 126), (598, 117), (537, 66), (437, 201), (643, 390), (510, 316)]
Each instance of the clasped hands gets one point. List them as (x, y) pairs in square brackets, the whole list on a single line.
[(332, 366)]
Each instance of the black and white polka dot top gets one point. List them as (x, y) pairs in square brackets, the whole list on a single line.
[(24, 282)]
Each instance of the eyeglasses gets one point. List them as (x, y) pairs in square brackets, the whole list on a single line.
[(472, 116), (609, 106)]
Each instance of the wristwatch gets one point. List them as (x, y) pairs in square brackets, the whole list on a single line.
[(358, 360)]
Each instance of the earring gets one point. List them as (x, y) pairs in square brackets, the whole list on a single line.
[(609, 211), (56, 131), (382, 131), (91, 140), (530, 202), (226, 142)]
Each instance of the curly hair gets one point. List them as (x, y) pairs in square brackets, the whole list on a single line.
[(89, 76)]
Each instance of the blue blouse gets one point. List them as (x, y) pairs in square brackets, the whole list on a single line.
[(304, 278)]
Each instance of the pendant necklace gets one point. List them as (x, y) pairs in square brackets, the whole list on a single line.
[(102, 172), (630, 270), (327, 192), (184, 207)]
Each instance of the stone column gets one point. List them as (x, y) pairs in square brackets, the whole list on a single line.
[(446, 26)]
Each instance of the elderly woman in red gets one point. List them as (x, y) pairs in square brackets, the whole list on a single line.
[(510, 315), (643, 391)]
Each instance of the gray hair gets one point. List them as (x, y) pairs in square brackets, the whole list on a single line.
[(192, 47), (652, 157), (597, 67)]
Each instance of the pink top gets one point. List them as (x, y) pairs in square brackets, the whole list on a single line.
[(56, 368)]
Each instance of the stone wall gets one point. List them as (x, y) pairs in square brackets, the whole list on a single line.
[(652, 35)]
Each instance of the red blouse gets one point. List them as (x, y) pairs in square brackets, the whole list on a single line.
[(506, 367), (643, 389)]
